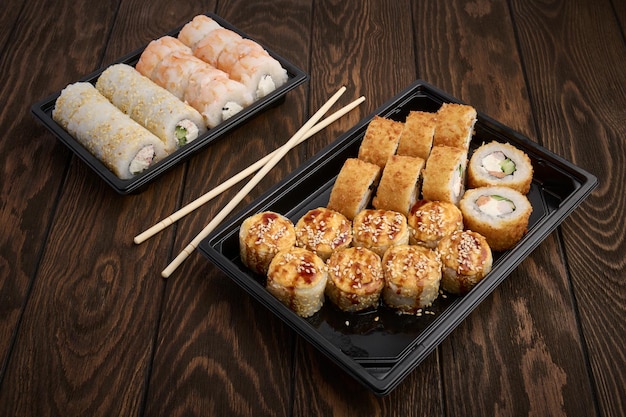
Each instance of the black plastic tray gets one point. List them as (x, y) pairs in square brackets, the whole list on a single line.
[(379, 348), (43, 111)]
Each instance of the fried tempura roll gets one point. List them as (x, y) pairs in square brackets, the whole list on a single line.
[(380, 140), (399, 186), (355, 279), (297, 277), (323, 231), (500, 164), (123, 145), (354, 186), (455, 125), (443, 178), (417, 135), (412, 277), (501, 214), (378, 230), (466, 259), (430, 221), (262, 236)]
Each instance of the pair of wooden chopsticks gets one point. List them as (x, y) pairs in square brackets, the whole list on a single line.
[(263, 166)]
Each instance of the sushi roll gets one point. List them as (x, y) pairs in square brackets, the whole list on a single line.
[(211, 46), (417, 134), (150, 105), (444, 175), (156, 51), (378, 230), (412, 277), (247, 62), (430, 221), (500, 214), (455, 125), (323, 231), (123, 145), (380, 140), (355, 279), (263, 235), (466, 259), (354, 186), (399, 186), (500, 164), (196, 30), (297, 277)]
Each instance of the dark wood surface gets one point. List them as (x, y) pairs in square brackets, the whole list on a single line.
[(88, 326)]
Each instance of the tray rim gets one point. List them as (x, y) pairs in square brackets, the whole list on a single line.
[(453, 316), (43, 107)]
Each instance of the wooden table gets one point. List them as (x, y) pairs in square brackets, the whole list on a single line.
[(88, 326)]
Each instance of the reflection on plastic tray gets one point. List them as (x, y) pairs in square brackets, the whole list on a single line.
[(379, 348), (43, 111)]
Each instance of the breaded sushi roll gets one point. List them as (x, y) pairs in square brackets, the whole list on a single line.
[(380, 140), (123, 145), (378, 230), (399, 186), (262, 236), (466, 259), (247, 62), (500, 214), (211, 46), (323, 231), (156, 50), (354, 186), (455, 125), (355, 279), (417, 134), (443, 178), (150, 105), (430, 221), (412, 278), (297, 277), (500, 164), (196, 30)]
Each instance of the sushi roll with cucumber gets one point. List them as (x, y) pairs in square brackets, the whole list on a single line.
[(500, 164), (500, 214)]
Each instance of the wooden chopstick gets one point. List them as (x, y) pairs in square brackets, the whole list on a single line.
[(182, 212), (188, 250)]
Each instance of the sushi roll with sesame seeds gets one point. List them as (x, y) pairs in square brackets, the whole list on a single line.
[(501, 214), (355, 279), (354, 187), (444, 175), (262, 236), (429, 221), (323, 231), (121, 144), (399, 186), (500, 164), (378, 230), (466, 259), (412, 277), (151, 105), (297, 277)]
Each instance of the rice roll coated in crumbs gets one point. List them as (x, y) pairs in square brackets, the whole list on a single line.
[(399, 186), (455, 125), (378, 230), (297, 277), (430, 221), (323, 231), (500, 164), (412, 278), (466, 259), (380, 140), (417, 135), (354, 187), (355, 279), (262, 236), (443, 178)]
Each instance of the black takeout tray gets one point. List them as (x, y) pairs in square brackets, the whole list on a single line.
[(43, 111), (379, 348)]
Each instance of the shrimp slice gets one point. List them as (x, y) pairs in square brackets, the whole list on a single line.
[(210, 48), (196, 30), (156, 51)]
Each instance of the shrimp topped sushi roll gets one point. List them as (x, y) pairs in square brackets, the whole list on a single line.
[(297, 277), (354, 186), (466, 259), (378, 230), (380, 140), (211, 46), (430, 221), (444, 175), (501, 214), (323, 231), (197, 29), (355, 279), (156, 51), (399, 186), (412, 278), (262, 236), (500, 164), (455, 125)]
